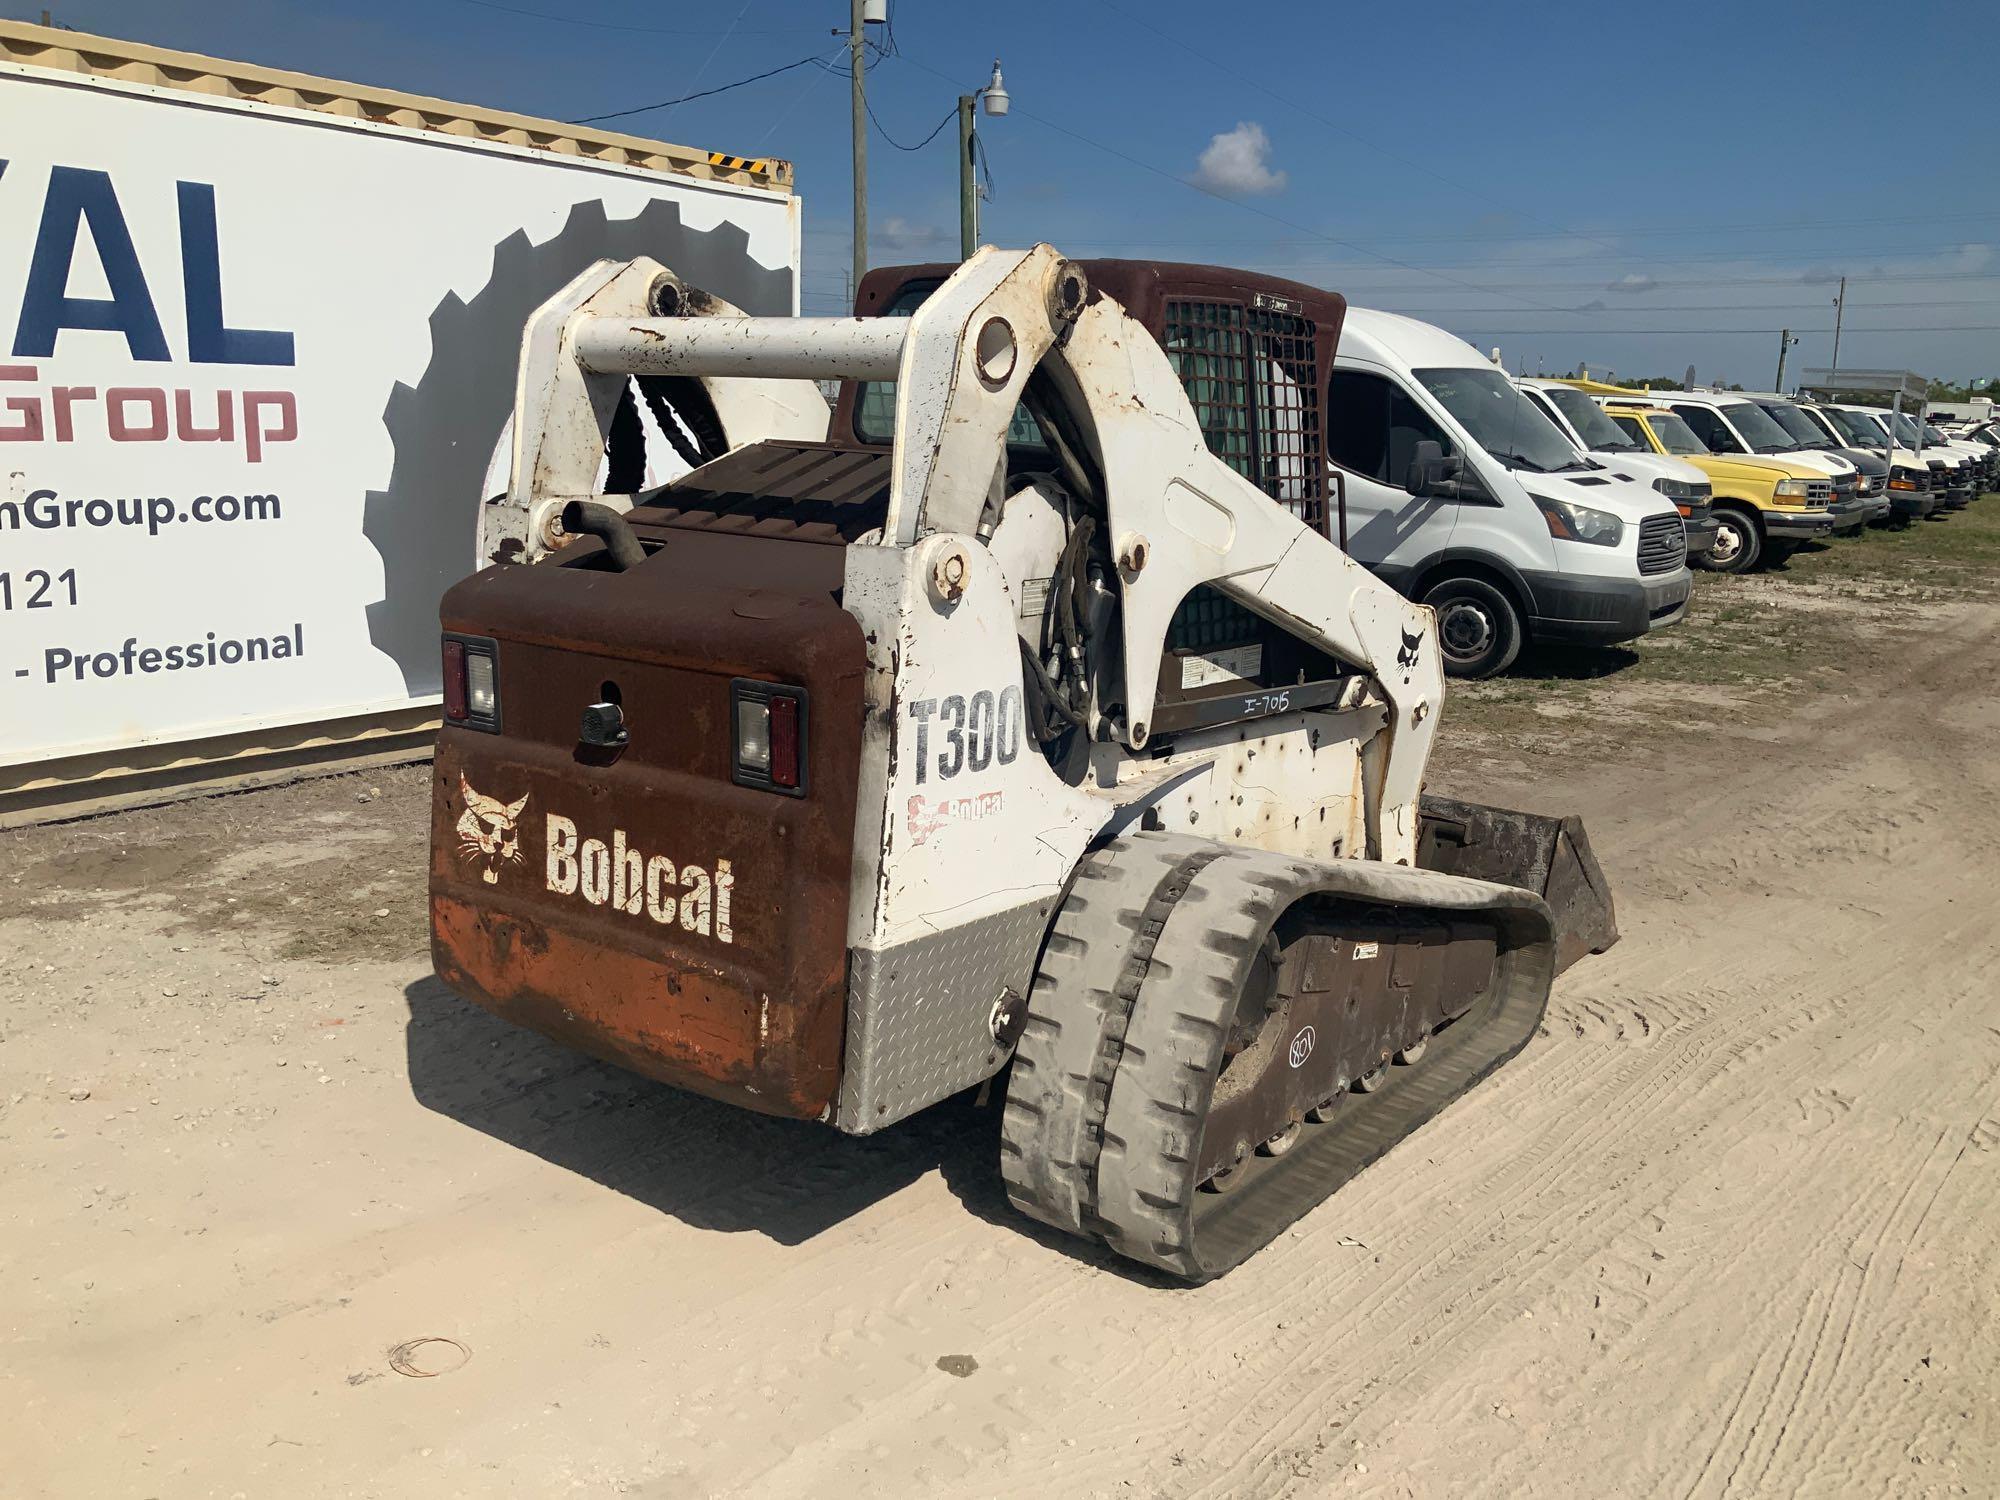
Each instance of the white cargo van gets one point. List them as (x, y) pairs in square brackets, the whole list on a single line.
[(1584, 423), (1466, 497)]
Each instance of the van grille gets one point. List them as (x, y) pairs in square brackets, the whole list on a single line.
[(1663, 544), (1819, 492)]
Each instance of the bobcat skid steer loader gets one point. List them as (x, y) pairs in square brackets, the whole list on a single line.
[(1045, 725)]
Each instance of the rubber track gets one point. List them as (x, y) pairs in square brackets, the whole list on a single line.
[(1097, 957), (1103, 1137)]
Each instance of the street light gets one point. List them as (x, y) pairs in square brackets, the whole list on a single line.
[(1786, 338), (997, 101)]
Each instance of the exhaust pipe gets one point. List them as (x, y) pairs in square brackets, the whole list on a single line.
[(590, 518)]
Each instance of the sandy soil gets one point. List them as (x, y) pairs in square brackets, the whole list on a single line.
[(1728, 1227)]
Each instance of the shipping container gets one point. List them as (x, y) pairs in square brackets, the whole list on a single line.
[(262, 335)]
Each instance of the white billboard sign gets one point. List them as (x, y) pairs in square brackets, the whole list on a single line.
[(253, 363)]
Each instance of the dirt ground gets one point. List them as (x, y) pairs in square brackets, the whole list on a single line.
[(1729, 1226)]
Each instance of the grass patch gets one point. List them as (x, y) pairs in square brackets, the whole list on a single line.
[(1748, 642)]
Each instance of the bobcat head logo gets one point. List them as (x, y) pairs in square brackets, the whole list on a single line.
[(1407, 657), (489, 831)]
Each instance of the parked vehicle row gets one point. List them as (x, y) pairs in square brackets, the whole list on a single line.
[(1467, 496), (1763, 506), (1545, 510), (1521, 511)]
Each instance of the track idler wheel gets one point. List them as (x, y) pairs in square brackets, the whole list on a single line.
[(1283, 1141)]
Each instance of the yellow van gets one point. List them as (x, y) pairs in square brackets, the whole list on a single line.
[(1764, 506)]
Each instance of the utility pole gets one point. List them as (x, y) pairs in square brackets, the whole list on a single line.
[(968, 182), (1839, 308), (857, 61), (1785, 342), (996, 101)]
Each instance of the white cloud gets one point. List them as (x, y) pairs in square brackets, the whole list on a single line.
[(899, 239), (1633, 281), (1973, 258), (1237, 163)]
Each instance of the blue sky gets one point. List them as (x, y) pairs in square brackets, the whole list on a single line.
[(1641, 187)]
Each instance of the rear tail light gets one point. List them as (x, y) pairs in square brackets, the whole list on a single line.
[(785, 741), (482, 693), (472, 683), (454, 680), (768, 724)]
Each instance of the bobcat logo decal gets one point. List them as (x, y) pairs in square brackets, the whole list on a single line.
[(1407, 657), (489, 831)]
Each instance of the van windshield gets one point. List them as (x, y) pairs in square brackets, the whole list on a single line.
[(1675, 435), (1803, 430), (1830, 432), (1759, 431), (1599, 433), (1857, 427), (1502, 420)]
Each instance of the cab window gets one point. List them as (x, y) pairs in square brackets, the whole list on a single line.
[(1633, 428), (875, 400), (1539, 399), (1710, 428), (1376, 427)]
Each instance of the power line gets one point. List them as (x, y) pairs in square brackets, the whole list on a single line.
[(1505, 236), (1261, 213), (716, 51), (1484, 332), (812, 82), (1598, 283), (883, 131), (515, 10), (619, 114), (1720, 307)]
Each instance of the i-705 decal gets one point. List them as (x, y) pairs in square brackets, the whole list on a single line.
[(976, 731)]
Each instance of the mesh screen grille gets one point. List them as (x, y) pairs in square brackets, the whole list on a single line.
[(1252, 376)]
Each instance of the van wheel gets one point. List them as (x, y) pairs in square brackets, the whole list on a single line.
[(1737, 545), (1479, 630)]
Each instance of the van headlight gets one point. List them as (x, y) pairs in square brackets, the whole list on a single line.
[(1579, 523), (1793, 489), (1682, 489)]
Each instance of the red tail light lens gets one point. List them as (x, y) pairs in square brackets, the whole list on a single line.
[(785, 742), (454, 681), (767, 722), (472, 682)]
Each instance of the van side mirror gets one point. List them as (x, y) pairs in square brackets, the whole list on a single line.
[(1432, 471)]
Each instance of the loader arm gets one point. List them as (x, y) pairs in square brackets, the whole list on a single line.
[(563, 403), (1178, 516)]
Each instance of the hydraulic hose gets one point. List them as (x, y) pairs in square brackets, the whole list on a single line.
[(589, 518)]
